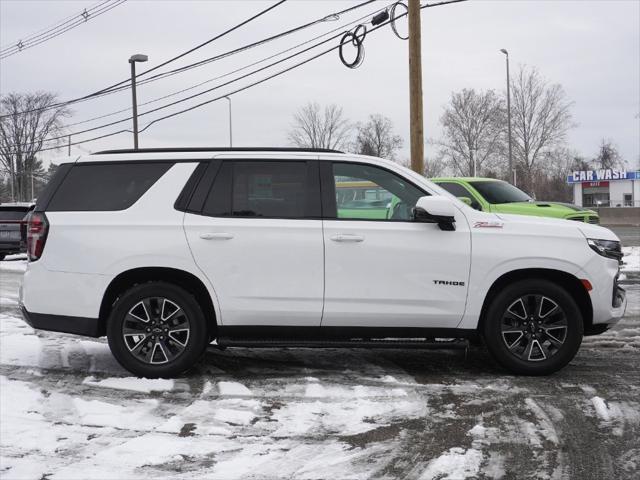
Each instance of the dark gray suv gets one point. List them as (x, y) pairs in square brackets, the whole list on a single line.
[(13, 228)]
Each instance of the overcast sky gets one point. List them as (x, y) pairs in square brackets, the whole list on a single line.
[(592, 48)]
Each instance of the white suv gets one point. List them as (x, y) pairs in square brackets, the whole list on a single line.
[(166, 250)]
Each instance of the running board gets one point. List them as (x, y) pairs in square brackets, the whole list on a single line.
[(432, 344)]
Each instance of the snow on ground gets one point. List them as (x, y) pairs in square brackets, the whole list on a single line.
[(132, 383), (631, 263), (69, 411), (13, 265)]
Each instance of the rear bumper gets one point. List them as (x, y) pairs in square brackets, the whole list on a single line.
[(88, 327)]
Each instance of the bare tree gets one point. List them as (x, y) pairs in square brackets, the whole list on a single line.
[(608, 156), (435, 167), (473, 125), (314, 127), (541, 117), (376, 138), (22, 136)]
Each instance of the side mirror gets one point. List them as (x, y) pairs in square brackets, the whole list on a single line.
[(436, 209), (466, 200)]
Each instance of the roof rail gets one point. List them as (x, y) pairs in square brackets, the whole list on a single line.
[(217, 149)]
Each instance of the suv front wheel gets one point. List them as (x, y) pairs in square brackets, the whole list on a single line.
[(157, 329), (533, 327)]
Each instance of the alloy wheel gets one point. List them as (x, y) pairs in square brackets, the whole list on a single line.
[(156, 330), (534, 328)]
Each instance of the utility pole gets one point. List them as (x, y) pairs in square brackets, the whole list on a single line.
[(415, 88)]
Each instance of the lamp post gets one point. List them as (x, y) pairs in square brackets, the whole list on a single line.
[(133, 60), (512, 172), (230, 124)]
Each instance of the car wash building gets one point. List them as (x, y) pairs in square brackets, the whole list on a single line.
[(605, 187)]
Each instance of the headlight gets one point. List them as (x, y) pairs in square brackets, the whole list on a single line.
[(607, 248)]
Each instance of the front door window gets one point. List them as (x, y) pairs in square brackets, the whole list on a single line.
[(365, 192)]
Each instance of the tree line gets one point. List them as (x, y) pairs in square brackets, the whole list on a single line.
[(474, 139), (22, 137)]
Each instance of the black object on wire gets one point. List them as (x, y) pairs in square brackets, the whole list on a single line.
[(355, 38), (394, 17)]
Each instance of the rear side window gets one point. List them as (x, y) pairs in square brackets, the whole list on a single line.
[(265, 189), (105, 187), (269, 189)]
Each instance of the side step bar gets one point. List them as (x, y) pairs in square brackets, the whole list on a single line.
[(432, 344)]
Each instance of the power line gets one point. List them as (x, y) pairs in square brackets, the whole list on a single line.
[(125, 85), (228, 73), (54, 26), (269, 77), (205, 61), (99, 127), (226, 32), (60, 28)]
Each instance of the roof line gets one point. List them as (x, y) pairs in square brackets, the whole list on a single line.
[(217, 149)]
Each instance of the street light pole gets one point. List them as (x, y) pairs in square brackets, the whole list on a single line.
[(135, 58), (512, 172), (230, 124)]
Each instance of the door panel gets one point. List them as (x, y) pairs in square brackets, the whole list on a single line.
[(258, 239), (391, 273), (264, 271)]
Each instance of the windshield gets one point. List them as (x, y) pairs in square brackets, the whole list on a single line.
[(500, 192)]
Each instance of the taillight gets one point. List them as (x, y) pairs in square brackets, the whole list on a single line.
[(37, 229)]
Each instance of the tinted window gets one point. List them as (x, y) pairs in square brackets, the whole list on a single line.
[(269, 189), (371, 193), (218, 202), (500, 192), (113, 186)]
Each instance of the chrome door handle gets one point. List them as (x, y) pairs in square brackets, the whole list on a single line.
[(216, 236), (347, 237)]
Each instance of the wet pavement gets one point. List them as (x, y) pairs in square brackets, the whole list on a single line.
[(68, 410)]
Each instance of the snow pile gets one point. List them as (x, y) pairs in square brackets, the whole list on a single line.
[(617, 415), (631, 260), (457, 463), (134, 384), (13, 265)]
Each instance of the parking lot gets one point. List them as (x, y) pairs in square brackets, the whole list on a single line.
[(68, 410)]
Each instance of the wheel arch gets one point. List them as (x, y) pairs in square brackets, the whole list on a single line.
[(135, 276), (569, 282)]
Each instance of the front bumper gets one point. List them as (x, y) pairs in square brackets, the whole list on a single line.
[(88, 327)]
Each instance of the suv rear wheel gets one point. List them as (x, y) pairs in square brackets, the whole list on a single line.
[(533, 327), (157, 329)]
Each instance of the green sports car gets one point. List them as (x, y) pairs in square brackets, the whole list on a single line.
[(491, 195)]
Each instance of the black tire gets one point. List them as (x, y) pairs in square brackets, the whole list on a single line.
[(180, 348), (551, 336), (2, 255)]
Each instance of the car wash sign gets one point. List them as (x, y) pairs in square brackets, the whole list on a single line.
[(601, 175)]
